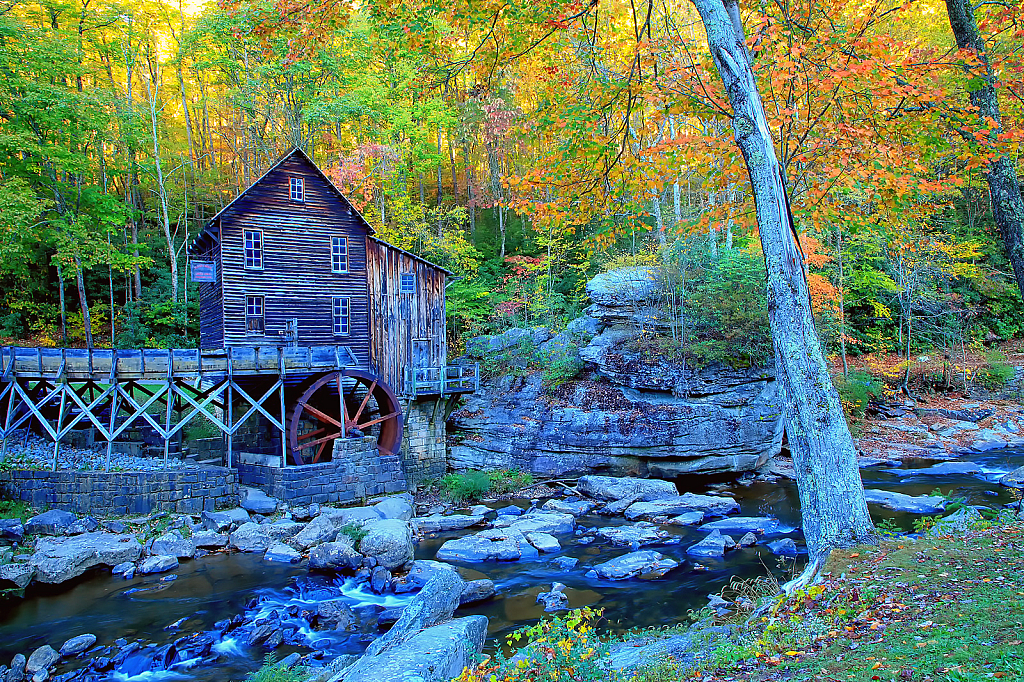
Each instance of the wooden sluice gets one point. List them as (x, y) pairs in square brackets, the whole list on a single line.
[(59, 388)]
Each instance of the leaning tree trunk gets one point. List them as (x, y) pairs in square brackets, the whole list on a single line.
[(1000, 172), (83, 302), (832, 502)]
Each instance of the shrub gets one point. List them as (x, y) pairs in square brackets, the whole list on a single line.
[(272, 671), (504, 481), (354, 531), (855, 389), (14, 509), (471, 485), (998, 371), (562, 365)]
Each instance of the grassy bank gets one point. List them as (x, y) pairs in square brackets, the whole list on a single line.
[(935, 609)]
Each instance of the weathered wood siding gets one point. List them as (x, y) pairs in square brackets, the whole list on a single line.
[(296, 280), (211, 308), (404, 328)]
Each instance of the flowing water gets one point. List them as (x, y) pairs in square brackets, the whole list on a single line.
[(157, 612)]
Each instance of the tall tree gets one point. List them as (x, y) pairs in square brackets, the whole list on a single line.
[(832, 502), (999, 170)]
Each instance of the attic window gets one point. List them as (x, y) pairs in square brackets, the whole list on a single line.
[(408, 283), (296, 190)]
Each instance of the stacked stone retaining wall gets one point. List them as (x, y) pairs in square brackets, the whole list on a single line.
[(424, 455), (185, 490), (357, 471)]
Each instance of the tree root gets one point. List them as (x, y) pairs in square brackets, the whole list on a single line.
[(811, 575)]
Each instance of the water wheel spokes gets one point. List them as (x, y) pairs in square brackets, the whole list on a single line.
[(344, 404)]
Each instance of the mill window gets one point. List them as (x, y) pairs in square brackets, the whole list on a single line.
[(341, 309), (339, 254), (253, 250), (254, 318), (408, 283), (296, 190)]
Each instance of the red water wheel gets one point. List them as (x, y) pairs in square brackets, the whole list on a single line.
[(348, 403)]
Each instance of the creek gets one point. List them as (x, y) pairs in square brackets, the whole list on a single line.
[(157, 612)]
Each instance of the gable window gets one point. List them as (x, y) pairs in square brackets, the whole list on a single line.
[(253, 250), (339, 254), (341, 309), (254, 318), (408, 283), (296, 189)]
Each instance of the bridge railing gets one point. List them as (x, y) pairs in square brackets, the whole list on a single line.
[(442, 381)]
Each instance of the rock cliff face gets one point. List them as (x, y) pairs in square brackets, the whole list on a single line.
[(629, 415)]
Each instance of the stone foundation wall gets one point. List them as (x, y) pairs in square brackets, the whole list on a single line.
[(423, 442), (186, 491), (357, 471)]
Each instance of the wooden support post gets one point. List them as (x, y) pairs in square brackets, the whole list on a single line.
[(7, 420), (284, 420), (230, 400)]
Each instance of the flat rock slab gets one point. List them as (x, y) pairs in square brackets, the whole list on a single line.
[(1014, 479), (646, 563), (640, 533), (546, 544), (941, 469), (59, 559), (923, 504), (574, 507), (538, 522), (496, 544), (617, 488), (258, 502), (687, 519), (711, 505), (438, 523), (17, 575), (739, 525), (282, 553)]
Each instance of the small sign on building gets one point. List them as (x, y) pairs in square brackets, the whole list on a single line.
[(204, 271)]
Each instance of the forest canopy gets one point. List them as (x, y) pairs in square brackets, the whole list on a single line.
[(524, 146)]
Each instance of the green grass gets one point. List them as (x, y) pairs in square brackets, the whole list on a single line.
[(474, 485), (354, 531), (11, 509)]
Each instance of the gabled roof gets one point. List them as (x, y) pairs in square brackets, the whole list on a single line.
[(207, 231)]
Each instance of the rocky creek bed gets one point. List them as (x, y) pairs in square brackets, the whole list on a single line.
[(653, 554)]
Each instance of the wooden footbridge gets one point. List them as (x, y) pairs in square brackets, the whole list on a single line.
[(312, 395)]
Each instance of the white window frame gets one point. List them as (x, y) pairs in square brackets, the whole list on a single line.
[(296, 183), (341, 315), (407, 277), (256, 251), (252, 304), (339, 256)]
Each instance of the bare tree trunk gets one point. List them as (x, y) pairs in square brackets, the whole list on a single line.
[(83, 302), (172, 256), (63, 307), (1000, 173), (842, 298), (676, 205), (833, 509)]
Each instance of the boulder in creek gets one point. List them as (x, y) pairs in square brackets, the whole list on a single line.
[(335, 615), (42, 658), (266, 635), (714, 545), (319, 530), (77, 645), (389, 541), (748, 540), (282, 553), (545, 544), (1014, 479), (555, 600), (747, 524), (52, 522), (437, 523), (620, 487), (687, 519), (646, 563), (538, 522), (783, 547), (224, 521), (380, 580), (575, 507), (157, 564), (711, 505), (510, 510), (940, 469), (256, 501), (639, 534), (250, 537), (18, 575), (279, 531), (12, 529), (922, 504), (357, 515), (957, 523), (420, 573), (496, 544), (334, 556), (172, 544), (394, 507), (210, 539), (477, 591), (59, 559), (17, 671)]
